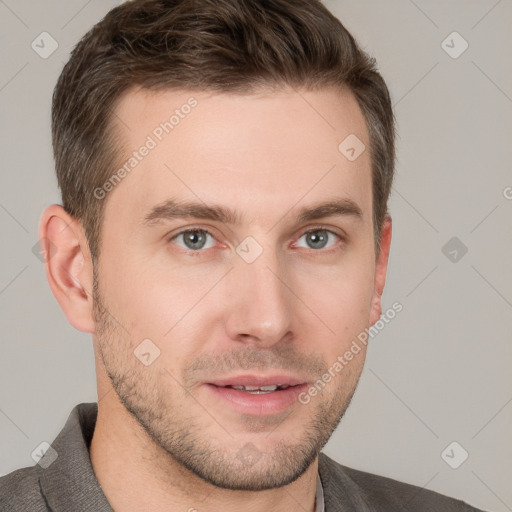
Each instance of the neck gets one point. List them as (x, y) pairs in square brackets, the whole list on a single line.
[(136, 473)]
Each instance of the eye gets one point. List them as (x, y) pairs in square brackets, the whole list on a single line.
[(194, 239), (319, 238)]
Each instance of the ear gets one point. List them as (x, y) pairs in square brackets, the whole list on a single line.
[(68, 265), (380, 270)]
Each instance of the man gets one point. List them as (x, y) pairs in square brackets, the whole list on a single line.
[(225, 168)]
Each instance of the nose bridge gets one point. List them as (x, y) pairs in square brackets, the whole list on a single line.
[(260, 308)]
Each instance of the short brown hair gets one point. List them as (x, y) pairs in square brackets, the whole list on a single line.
[(218, 45)]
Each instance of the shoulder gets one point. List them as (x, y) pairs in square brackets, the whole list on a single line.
[(374, 492), (20, 490)]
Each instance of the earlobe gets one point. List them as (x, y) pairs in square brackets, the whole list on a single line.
[(381, 270), (68, 265)]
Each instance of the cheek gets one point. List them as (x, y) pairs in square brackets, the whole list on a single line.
[(341, 293), (139, 305), (345, 311), (168, 305)]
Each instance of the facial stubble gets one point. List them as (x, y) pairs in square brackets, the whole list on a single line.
[(229, 462)]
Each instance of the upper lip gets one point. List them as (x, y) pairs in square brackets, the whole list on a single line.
[(258, 380)]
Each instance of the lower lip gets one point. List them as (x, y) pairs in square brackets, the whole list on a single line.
[(262, 404)]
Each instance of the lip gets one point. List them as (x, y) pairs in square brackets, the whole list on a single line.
[(264, 404), (280, 379)]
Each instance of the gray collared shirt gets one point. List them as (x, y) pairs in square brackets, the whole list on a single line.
[(64, 480)]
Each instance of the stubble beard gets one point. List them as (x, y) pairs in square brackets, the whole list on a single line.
[(228, 462)]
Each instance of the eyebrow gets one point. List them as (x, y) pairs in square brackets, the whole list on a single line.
[(173, 209)]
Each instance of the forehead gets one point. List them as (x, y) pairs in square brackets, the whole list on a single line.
[(261, 154)]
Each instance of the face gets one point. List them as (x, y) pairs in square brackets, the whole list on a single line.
[(237, 255)]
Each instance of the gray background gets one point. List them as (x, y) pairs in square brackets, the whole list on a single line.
[(440, 371)]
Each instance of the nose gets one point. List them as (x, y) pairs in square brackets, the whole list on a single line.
[(259, 310)]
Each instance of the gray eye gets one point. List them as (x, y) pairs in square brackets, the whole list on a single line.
[(318, 238), (195, 239)]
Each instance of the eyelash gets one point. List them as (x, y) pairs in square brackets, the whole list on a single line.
[(334, 248)]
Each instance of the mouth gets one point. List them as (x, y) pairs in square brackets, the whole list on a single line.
[(257, 395)]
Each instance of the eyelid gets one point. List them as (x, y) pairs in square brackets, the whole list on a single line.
[(320, 227)]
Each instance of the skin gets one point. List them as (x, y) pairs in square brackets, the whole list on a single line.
[(162, 440)]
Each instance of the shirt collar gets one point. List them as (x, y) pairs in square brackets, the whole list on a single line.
[(72, 469), (319, 499), (65, 473)]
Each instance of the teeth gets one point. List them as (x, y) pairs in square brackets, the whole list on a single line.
[(268, 388), (259, 389)]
